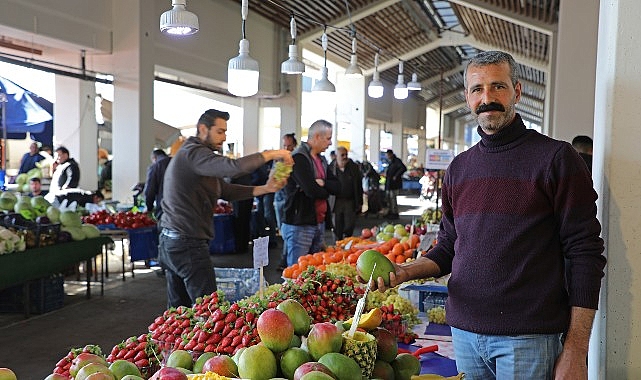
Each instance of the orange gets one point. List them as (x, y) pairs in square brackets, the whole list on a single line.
[(414, 241), (400, 259), (397, 249), (352, 258), (391, 257), (287, 272)]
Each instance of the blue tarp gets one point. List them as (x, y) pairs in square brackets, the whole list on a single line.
[(26, 112)]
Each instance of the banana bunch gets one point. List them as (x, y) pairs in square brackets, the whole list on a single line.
[(431, 216)]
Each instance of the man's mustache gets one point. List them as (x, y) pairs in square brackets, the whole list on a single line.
[(489, 107)]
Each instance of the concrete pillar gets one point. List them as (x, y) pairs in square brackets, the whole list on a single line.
[(75, 126), (350, 110), (249, 144), (615, 347), (575, 69), (133, 118), (374, 142), (290, 106)]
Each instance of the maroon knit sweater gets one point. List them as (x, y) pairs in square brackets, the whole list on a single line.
[(519, 235)]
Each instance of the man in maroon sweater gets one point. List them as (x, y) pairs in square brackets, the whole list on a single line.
[(520, 238)]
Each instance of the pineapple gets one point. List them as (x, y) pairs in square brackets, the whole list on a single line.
[(362, 348)]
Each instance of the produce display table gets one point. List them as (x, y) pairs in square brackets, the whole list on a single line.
[(142, 244), (21, 267)]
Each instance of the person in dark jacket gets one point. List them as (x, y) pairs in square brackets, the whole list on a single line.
[(393, 182), (65, 176), (154, 184), (30, 159), (306, 193), (348, 201)]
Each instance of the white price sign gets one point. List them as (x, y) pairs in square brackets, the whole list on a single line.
[(261, 252), (438, 158)]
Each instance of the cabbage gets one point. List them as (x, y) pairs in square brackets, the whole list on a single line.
[(90, 231), (76, 232), (53, 214), (70, 219)]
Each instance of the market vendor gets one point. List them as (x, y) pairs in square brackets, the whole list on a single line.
[(520, 237), (193, 183)]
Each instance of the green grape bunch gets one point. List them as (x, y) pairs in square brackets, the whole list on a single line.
[(436, 315), (281, 170)]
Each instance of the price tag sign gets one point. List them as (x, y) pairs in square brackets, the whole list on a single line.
[(438, 158), (261, 252)]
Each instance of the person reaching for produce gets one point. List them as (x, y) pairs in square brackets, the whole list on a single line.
[(520, 237), (192, 185)]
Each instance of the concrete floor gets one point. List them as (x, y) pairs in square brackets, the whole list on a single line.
[(31, 347)]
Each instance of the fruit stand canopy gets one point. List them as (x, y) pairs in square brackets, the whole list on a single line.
[(25, 112)]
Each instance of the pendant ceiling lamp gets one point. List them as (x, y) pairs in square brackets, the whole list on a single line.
[(400, 90), (179, 21), (414, 84), (353, 71), (242, 71), (293, 65), (324, 85), (375, 89)]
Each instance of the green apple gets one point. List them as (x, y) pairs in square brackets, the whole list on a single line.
[(7, 374)]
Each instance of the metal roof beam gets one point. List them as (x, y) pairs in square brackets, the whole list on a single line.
[(504, 14), (449, 38), (345, 21)]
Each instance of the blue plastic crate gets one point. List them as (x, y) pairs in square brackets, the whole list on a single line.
[(45, 295), (143, 243), (224, 240), (238, 283)]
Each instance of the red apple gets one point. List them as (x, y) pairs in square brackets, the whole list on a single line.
[(366, 233)]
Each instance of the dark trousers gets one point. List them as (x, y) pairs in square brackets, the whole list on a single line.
[(344, 218), (188, 269)]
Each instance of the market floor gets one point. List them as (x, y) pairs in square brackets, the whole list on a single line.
[(32, 346)]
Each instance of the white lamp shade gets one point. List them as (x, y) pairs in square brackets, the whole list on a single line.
[(178, 21), (375, 89), (293, 65), (353, 71), (400, 90), (324, 85), (242, 72), (414, 84)]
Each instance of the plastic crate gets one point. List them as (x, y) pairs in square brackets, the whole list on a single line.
[(419, 295), (238, 283), (45, 295), (143, 243), (224, 240), (47, 234)]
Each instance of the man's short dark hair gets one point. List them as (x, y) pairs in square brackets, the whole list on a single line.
[(157, 153), (389, 151), (209, 117), (582, 140), (62, 149), (98, 194), (291, 136), (34, 179)]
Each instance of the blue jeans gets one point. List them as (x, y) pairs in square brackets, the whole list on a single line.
[(504, 357), (301, 240), (189, 271)]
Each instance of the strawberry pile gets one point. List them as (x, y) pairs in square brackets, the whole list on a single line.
[(326, 297), (212, 325), (393, 321), (139, 350), (167, 329), (63, 365)]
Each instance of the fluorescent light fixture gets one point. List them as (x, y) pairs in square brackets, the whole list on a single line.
[(375, 89), (242, 72), (400, 90), (414, 84), (293, 65), (179, 21), (353, 71), (324, 85)]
